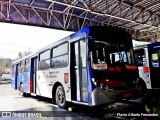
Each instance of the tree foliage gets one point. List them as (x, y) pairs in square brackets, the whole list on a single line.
[(22, 54), (4, 64)]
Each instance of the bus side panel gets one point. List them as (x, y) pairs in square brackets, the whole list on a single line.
[(13, 81), (145, 75), (14, 77), (24, 78), (47, 78), (31, 78), (154, 59), (42, 86)]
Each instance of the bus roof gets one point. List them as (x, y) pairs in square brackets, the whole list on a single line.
[(140, 46), (154, 45)]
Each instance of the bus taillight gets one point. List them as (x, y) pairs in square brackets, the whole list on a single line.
[(146, 69), (66, 79)]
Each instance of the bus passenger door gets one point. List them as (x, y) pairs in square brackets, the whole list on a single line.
[(33, 75), (17, 75), (154, 61), (79, 75), (18, 71)]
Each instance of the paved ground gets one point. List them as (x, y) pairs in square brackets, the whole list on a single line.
[(13, 104)]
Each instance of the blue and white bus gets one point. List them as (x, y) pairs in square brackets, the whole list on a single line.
[(93, 66), (148, 61)]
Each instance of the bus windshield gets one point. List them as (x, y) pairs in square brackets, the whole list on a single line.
[(110, 54), (122, 56)]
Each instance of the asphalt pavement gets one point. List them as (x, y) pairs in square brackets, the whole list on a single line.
[(15, 107)]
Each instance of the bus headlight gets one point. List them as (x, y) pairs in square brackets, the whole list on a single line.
[(103, 86)]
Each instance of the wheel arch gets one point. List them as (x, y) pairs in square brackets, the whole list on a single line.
[(54, 90), (143, 85)]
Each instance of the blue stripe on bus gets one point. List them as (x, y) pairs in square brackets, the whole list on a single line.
[(77, 34), (24, 79), (153, 45), (13, 82), (91, 86)]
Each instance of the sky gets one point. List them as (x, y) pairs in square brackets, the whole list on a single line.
[(15, 38), (19, 38)]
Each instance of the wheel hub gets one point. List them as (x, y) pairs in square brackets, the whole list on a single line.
[(61, 97)]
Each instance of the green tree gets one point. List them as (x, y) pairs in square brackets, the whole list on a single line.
[(4, 64), (25, 53)]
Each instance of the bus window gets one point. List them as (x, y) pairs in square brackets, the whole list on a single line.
[(140, 57), (44, 62), (26, 68), (98, 56), (22, 64), (60, 50), (13, 69), (120, 57), (154, 60), (60, 61), (60, 56), (83, 53), (45, 55)]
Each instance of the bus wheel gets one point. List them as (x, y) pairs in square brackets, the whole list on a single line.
[(142, 87), (60, 97)]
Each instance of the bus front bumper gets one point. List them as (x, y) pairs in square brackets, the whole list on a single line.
[(100, 96)]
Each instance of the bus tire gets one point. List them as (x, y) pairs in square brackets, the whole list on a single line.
[(143, 87), (60, 97)]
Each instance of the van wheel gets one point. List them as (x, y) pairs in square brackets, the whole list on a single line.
[(60, 97)]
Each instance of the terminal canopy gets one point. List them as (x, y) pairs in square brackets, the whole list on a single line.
[(141, 18)]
